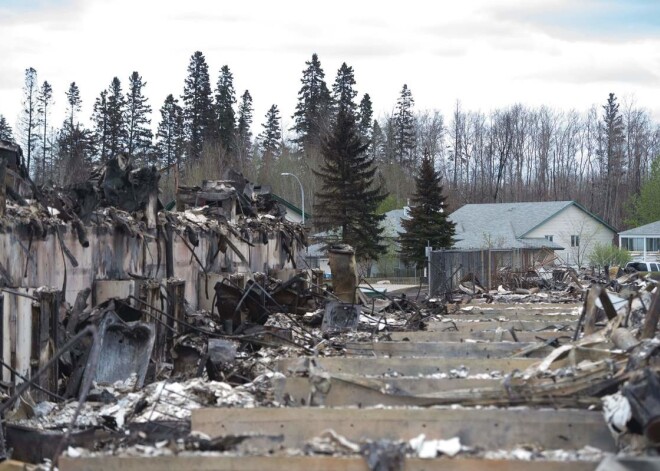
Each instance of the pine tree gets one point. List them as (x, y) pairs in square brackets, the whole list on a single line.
[(271, 138), (29, 118), (428, 222), (44, 101), (138, 133), (244, 134), (312, 116), (170, 136), (197, 105), (350, 196), (6, 133), (116, 109), (365, 117), (343, 92), (101, 130), (225, 98), (404, 131)]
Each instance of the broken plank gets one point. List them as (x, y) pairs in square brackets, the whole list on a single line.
[(548, 318), (304, 463), (489, 335), (402, 366), (470, 326), (364, 392), (486, 428), (343, 390), (443, 349), (520, 307)]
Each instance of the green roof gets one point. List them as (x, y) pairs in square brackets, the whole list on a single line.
[(290, 206)]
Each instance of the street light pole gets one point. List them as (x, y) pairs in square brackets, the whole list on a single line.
[(302, 192)]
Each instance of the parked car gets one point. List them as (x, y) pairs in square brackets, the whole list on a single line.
[(642, 266)]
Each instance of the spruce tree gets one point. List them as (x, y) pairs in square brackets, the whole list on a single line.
[(45, 101), (271, 138), (612, 130), (75, 146), (74, 103), (428, 222), (244, 134), (116, 109), (29, 119), (343, 92), (404, 128), (365, 117), (138, 133), (71, 139), (225, 98), (350, 195), (6, 133), (170, 136), (197, 105), (313, 111), (100, 123), (377, 146)]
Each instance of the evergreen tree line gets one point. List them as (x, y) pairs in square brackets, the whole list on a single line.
[(600, 157)]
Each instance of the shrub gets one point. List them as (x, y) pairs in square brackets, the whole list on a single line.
[(608, 255)]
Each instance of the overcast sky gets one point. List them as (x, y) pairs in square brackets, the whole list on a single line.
[(485, 53)]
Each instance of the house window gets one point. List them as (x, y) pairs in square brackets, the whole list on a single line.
[(653, 244), (633, 243), (548, 237), (575, 241)]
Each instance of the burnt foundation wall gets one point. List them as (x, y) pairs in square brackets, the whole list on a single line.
[(115, 255)]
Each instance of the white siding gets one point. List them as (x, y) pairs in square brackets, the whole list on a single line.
[(574, 221)]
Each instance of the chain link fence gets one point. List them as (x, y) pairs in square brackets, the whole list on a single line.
[(450, 267)]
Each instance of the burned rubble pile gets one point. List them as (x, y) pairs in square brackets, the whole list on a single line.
[(211, 345), (225, 384)]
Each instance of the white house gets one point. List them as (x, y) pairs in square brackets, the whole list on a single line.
[(565, 227), (643, 242)]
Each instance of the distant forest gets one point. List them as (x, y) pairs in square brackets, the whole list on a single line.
[(599, 157)]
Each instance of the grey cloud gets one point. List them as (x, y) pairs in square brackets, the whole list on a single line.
[(588, 73)]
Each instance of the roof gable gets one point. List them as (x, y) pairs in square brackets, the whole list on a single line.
[(579, 206)]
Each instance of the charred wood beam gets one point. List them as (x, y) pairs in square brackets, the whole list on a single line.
[(169, 250), (588, 315), (651, 321), (45, 331), (78, 307), (3, 185), (176, 291)]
